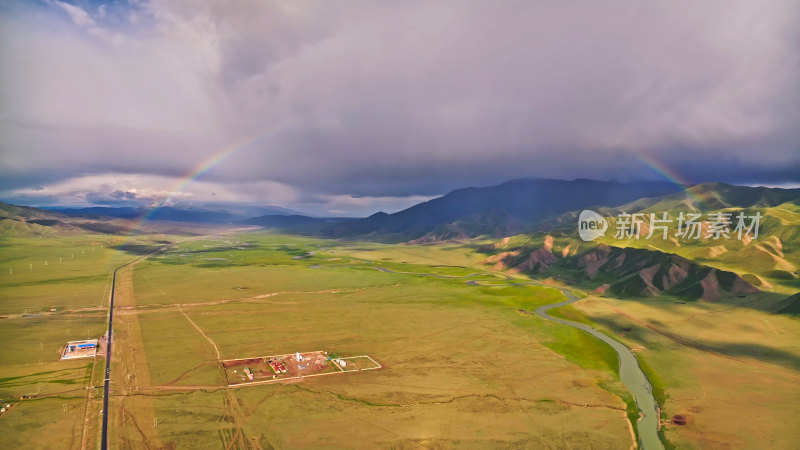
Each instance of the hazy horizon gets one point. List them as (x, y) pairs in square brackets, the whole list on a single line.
[(222, 206)]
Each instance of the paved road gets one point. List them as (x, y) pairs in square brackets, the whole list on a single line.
[(109, 334), (107, 381)]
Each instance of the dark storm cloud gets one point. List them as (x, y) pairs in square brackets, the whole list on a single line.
[(123, 195), (401, 98), (107, 199)]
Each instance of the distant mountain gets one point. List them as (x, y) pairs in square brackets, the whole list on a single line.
[(24, 220), (26, 213), (295, 223), (689, 268), (208, 213), (169, 213), (94, 212), (714, 196), (499, 210), (703, 197)]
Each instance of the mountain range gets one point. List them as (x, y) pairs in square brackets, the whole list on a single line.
[(206, 213), (23, 220), (511, 207), (534, 224)]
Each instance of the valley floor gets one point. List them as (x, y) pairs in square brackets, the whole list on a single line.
[(463, 365)]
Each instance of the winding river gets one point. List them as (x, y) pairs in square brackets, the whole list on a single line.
[(630, 373)]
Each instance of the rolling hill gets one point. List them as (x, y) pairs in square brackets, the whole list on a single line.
[(24, 220), (625, 272), (534, 207), (771, 258)]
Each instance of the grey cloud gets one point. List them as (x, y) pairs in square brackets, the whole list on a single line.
[(407, 98), (115, 198), (123, 195)]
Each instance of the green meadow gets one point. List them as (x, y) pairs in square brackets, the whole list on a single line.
[(463, 365)]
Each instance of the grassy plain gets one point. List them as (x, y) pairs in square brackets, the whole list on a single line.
[(69, 272), (733, 371), (463, 366)]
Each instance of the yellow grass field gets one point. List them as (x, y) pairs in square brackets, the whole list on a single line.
[(462, 365)]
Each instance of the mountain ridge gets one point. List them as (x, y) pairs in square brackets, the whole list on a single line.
[(517, 202)]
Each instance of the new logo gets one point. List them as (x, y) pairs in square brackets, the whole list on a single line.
[(591, 225)]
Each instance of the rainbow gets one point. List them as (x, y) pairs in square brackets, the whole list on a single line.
[(662, 170), (220, 156), (196, 172)]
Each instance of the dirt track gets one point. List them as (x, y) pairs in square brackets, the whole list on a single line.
[(133, 416), (200, 330)]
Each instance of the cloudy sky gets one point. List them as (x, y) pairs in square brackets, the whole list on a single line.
[(348, 107)]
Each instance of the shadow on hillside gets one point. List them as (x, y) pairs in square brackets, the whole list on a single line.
[(137, 249), (756, 351), (733, 349), (621, 328), (101, 227)]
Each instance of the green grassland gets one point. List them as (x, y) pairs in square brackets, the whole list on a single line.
[(70, 272), (38, 273), (770, 262), (463, 366), (33, 336), (713, 363)]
